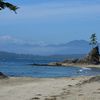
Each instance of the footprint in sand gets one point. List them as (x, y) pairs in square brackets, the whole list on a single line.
[(70, 85), (80, 94), (98, 89), (51, 98), (35, 98), (64, 89), (39, 94)]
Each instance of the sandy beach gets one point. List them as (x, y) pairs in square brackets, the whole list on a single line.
[(82, 88), (81, 65)]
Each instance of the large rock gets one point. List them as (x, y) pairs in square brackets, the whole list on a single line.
[(93, 56), (2, 76)]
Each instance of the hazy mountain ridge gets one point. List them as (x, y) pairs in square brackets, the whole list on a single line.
[(72, 47)]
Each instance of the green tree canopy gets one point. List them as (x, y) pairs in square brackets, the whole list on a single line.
[(8, 5), (93, 40)]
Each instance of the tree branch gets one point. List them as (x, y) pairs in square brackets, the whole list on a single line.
[(4, 5)]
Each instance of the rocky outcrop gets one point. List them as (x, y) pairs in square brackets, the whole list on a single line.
[(2, 76), (55, 64), (50, 64), (71, 61), (92, 58)]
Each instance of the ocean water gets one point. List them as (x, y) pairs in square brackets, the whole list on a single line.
[(23, 68)]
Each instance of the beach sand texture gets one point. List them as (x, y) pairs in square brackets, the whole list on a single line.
[(82, 88)]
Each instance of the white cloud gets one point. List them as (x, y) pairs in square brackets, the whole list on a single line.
[(6, 39), (10, 39)]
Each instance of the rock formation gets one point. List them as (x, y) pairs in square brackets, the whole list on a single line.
[(92, 58), (2, 76)]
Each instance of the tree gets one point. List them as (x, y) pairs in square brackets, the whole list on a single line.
[(93, 40), (8, 5)]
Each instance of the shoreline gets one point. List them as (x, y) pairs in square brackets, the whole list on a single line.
[(74, 65), (58, 64), (61, 64), (81, 65)]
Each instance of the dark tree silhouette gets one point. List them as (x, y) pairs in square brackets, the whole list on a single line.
[(93, 40), (8, 5)]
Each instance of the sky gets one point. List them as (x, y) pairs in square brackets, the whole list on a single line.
[(50, 21)]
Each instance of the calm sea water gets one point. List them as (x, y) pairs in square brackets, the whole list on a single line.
[(22, 68)]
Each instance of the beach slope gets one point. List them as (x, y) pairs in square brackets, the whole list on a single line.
[(82, 88)]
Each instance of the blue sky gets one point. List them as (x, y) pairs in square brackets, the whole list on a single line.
[(51, 21)]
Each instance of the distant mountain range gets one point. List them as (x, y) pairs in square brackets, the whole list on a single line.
[(72, 47)]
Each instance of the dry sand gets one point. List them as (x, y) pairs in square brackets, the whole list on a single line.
[(82, 88), (81, 65)]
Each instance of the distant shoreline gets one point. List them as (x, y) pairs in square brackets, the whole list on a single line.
[(68, 64), (81, 65)]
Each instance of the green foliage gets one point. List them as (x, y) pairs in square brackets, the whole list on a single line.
[(4, 5), (93, 40)]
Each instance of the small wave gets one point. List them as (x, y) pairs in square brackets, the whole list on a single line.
[(86, 68)]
